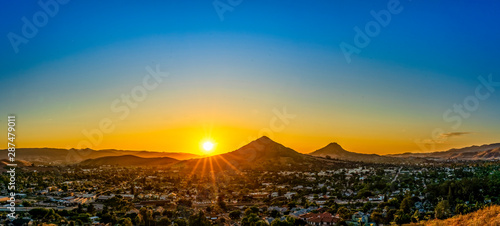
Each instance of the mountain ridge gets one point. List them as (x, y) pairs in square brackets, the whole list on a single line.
[(56, 156), (474, 152), (257, 153), (128, 160)]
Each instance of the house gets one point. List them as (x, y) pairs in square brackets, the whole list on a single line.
[(320, 218), (289, 195)]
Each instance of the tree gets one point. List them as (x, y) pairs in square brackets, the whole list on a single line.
[(91, 208), (168, 213), (180, 222), (235, 214), (164, 221), (138, 219), (126, 222), (461, 209), (185, 202), (367, 207), (275, 214), (251, 210), (377, 217), (406, 204), (442, 209), (84, 217), (38, 213), (199, 219), (252, 220), (108, 218), (344, 213), (402, 218), (221, 203), (278, 222), (26, 203), (415, 218)]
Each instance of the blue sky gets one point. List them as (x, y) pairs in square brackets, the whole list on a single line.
[(262, 55)]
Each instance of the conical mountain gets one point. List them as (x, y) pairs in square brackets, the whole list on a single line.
[(332, 149), (335, 151), (263, 149)]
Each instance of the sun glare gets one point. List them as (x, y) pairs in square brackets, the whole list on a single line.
[(208, 146)]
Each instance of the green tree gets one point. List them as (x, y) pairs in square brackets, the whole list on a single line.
[(415, 218), (344, 213), (199, 219), (91, 208), (164, 221), (252, 220), (221, 203), (442, 209), (26, 203), (401, 218), (235, 214), (38, 213), (377, 217), (407, 204), (126, 222), (180, 222), (274, 214), (461, 209), (251, 210)]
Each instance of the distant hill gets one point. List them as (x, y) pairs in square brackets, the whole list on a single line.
[(57, 156), (483, 152), (262, 153), (487, 216), (129, 160), (4, 162), (335, 151)]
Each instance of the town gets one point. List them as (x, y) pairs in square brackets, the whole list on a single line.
[(363, 194)]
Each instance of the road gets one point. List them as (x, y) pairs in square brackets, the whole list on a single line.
[(397, 174)]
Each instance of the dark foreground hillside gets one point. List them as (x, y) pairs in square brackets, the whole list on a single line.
[(489, 216)]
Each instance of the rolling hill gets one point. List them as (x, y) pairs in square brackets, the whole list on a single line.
[(5, 162), (55, 156), (483, 152), (129, 160)]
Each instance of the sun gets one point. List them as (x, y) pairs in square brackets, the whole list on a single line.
[(208, 146)]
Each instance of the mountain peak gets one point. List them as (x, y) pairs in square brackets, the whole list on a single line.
[(331, 149), (264, 148), (334, 146), (264, 138)]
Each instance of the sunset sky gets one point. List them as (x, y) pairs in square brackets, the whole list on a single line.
[(263, 68)]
